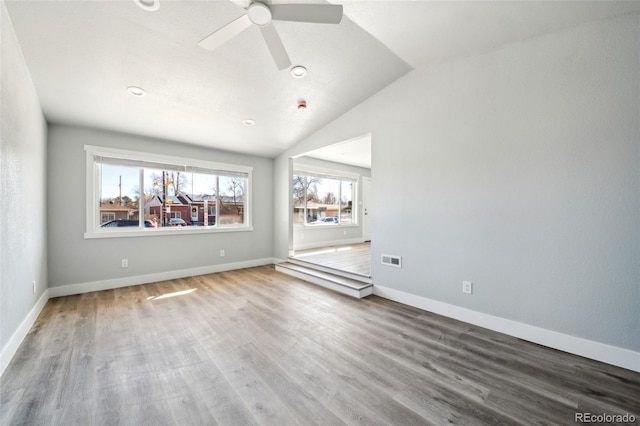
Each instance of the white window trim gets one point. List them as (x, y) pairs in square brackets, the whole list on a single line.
[(93, 230)]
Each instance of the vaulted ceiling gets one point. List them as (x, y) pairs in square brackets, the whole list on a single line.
[(83, 55)]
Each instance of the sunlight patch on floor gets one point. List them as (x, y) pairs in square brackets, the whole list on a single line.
[(174, 294)]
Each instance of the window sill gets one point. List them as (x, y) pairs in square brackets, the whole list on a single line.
[(147, 232)]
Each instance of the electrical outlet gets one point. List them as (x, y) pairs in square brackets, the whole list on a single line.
[(125, 263), (35, 287), (467, 287), (222, 253)]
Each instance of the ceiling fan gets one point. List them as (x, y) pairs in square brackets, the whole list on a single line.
[(261, 15)]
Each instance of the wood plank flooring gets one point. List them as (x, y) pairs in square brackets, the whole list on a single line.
[(255, 346), (355, 258)]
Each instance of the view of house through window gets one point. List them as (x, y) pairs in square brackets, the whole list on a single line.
[(323, 200), (136, 194)]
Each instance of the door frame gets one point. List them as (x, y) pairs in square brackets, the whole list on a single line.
[(366, 208)]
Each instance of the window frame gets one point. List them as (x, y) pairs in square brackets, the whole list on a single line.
[(92, 173), (341, 176)]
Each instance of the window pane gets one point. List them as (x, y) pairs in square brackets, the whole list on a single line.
[(322, 200), (346, 202), (299, 188), (166, 197), (231, 199), (203, 190), (119, 192)]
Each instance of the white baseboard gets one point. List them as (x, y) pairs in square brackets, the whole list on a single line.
[(609, 354), (318, 244), (80, 288), (21, 332)]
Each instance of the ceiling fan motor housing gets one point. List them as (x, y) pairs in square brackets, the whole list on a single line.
[(259, 14)]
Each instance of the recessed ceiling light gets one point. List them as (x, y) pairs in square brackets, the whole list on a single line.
[(150, 5), (298, 71), (135, 90), (249, 122)]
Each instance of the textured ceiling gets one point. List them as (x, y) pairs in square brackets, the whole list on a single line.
[(82, 56)]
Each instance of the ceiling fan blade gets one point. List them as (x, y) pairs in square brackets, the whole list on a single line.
[(313, 13), (242, 3), (226, 33), (278, 52)]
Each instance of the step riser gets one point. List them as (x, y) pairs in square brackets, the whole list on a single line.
[(327, 284), (356, 277)]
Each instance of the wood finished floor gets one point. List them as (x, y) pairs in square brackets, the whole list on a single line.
[(354, 258), (255, 346)]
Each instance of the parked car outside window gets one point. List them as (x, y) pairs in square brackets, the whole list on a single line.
[(127, 222), (177, 222), (326, 221)]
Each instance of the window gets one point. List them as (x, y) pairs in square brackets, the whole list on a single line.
[(106, 217), (320, 199), (139, 193)]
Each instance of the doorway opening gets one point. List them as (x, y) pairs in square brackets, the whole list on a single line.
[(332, 213)]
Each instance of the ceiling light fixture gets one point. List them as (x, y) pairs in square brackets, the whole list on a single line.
[(148, 5), (249, 122), (136, 91), (298, 71)]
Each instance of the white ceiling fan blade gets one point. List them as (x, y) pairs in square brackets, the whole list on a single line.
[(278, 52), (313, 13), (226, 33), (242, 3)]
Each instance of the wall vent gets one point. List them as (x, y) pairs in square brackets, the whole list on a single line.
[(391, 260)]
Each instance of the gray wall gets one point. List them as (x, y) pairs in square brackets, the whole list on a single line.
[(76, 260), (318, 236), (23, 252), (519, 170), (282, 210)]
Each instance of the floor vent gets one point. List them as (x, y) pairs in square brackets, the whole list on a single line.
[(390, 260)]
